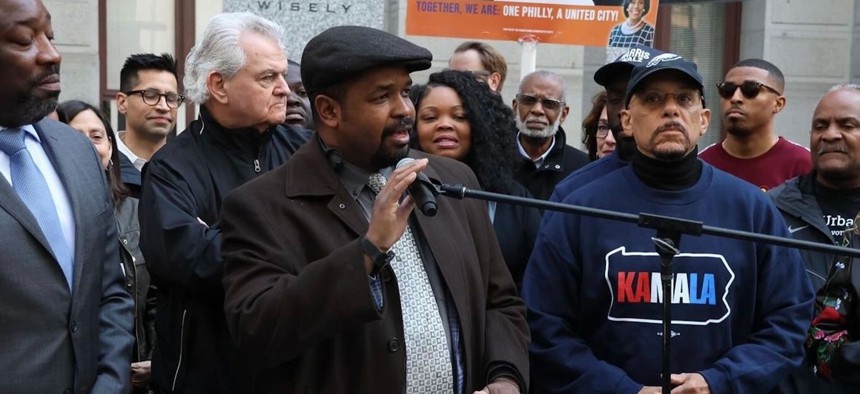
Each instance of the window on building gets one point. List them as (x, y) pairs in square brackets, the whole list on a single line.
[(707, 33), (141, 26)]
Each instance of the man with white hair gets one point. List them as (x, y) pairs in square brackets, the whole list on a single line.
[(236, 73), (540, 109)]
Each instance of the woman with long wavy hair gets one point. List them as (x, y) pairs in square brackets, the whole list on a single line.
[(461, 118)]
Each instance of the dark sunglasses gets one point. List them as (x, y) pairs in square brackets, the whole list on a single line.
[(749, 89), (530, 101)]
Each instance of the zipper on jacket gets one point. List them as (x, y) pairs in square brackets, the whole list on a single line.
[(138, 320), (181, 349), (257, 167), (137, 334)]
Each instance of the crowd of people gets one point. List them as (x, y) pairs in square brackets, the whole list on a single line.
[(274, 245)]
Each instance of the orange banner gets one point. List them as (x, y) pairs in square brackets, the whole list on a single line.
[(551, 21)]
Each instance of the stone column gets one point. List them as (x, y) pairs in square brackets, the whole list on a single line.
[(75, 24)]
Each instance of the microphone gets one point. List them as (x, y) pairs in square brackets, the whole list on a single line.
[(421, 190)]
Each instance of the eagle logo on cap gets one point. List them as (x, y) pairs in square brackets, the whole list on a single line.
[(665, 57)]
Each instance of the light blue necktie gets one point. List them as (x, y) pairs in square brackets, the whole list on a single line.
[(33, 190)]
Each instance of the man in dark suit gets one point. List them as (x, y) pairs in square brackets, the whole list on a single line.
[(65, 320), (331, 282)]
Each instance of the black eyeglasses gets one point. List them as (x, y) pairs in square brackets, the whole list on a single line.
[(547, 103), (152, 97), (602, 131), (749, 89)]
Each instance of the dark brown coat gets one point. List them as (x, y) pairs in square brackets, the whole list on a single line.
[(298, 301)]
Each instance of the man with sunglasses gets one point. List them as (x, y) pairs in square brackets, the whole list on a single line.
[(148, 99), (540, 109), (750, 98), (739, 309)]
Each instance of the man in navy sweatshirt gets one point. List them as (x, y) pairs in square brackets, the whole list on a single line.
[(740, 309)]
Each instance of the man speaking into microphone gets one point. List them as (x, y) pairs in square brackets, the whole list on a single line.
[(334, 282)]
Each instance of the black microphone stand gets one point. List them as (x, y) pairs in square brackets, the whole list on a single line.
[(643, 220), (667, 250), (667, 241)]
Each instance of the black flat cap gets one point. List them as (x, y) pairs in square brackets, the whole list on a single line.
[(344, 51)]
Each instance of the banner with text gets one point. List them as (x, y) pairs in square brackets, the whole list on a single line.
[(304, 19), (612, 23)]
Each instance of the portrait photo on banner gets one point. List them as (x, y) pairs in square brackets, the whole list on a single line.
[(613, 24)]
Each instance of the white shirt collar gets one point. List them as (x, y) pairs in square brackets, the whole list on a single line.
[(136, 161), (539, 161), (29, 129)]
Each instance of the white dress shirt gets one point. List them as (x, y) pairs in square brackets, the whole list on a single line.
[(539, 161), (136, 161)]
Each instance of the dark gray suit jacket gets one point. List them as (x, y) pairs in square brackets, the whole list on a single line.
[(52, 341)]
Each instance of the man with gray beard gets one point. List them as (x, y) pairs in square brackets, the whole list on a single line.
[(540, 109)]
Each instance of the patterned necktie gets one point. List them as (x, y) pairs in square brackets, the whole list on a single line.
[(428, 358), (33, 190)]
